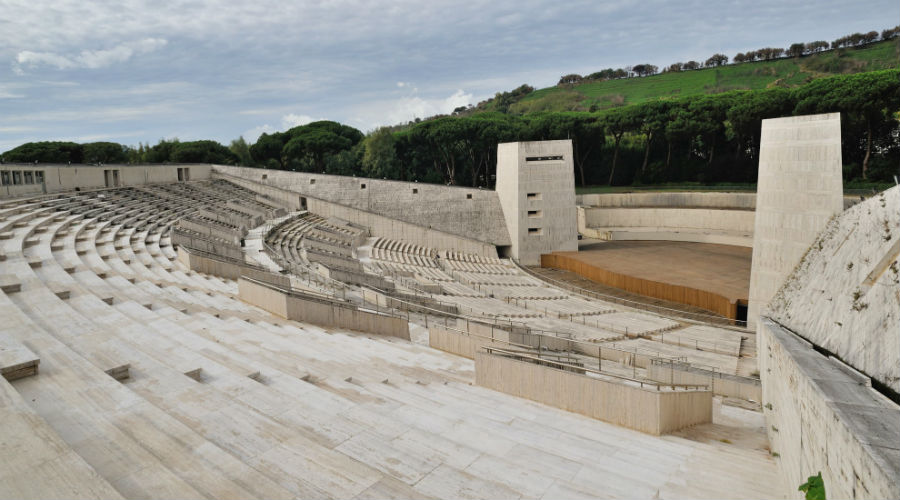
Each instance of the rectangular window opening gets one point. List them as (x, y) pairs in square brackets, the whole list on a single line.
[(535, 214), (29, 177), (4, 178), (39, 177), (362, 186), (469, 196), (265, 176), (415, 190), (17, 177), (534, 196), (544, 158), (535, 231), (312, 181)]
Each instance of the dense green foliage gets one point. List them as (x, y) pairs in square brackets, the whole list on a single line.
[(705, 138), (46, 152), (699, 138), (314, 147), (166, 151), (612, 91)]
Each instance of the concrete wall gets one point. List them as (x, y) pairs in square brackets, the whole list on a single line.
[(705, 225), (320, 311), (217, 266), (822, 416), (799, 189), (721, 384), (378, 225), (643, 409), (648, 288), (536, 189), (844, 295), (59, 178), (387, 227), (468, 212), (736, 201), (464, 344)]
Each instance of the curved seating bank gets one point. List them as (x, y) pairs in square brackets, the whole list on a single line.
[(143, 378)]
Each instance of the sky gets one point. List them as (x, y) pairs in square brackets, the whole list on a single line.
[(129, 71)]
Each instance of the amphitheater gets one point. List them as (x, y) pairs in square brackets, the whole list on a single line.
[(207, 331)]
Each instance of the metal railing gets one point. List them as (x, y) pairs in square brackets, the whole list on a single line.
[(572, 367)]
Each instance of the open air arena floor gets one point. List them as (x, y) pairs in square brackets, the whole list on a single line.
[(719, 269)]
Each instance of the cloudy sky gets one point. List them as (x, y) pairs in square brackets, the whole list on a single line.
[(130, 71)]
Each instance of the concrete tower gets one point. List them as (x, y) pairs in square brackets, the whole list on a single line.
[(536, 188), (798, 191)]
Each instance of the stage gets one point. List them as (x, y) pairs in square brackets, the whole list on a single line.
[(709, 276)]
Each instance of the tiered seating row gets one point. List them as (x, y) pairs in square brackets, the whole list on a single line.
[(223, 400)]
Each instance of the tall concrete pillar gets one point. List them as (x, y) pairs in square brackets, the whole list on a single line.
[(536, 188), (799, 189)]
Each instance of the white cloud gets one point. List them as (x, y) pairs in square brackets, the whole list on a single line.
[(391, 112), (90, 59), (8, 94), (292, 120), (253, 134)]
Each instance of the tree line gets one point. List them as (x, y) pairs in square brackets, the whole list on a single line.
[(703, 138), (166, 151), (718, 59)]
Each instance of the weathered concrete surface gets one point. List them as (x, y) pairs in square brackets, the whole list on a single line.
[(647, 409), (68, 177), (823, 416), (799, 190), (536, 189), (734, 201), (705, 225), (852, 273), (226, 400), (468, 212)]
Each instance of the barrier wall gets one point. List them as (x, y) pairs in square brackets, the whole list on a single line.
[(643, 409), (462, 344), (675, 293), (461, 211), (194, 241), (378, 225), (320, 312), (823, 416), (703, 225), (721, 384), (58, 178), (221, 266), (687, 199)]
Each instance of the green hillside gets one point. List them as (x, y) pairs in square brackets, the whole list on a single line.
[(786, 72)]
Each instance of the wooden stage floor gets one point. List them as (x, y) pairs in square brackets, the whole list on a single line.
[(721, 269)]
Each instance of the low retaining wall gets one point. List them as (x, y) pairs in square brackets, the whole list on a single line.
[(212, 247), (643, 409), (722, 384), (463, 344), (823, 416), (648, 288), (207, 265), (319, 311), (223, 268)]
